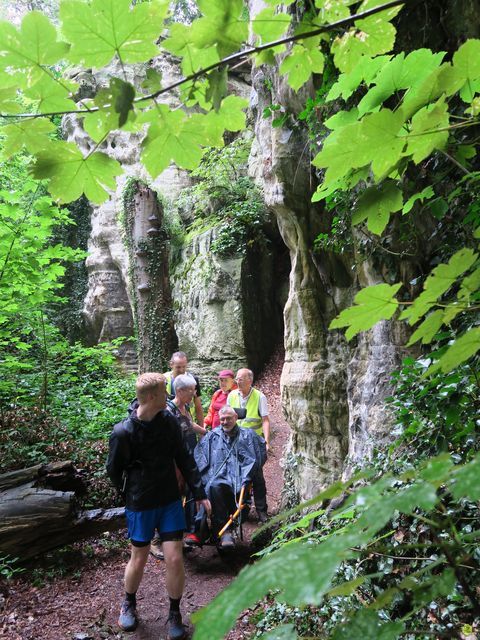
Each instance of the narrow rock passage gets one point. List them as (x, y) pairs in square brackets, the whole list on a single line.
[(83, 605)]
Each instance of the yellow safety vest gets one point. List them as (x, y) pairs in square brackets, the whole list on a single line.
[(253, 419)]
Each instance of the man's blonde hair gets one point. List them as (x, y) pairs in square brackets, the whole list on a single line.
[(148, 382)]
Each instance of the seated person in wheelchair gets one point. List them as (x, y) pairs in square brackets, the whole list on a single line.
[(227, 459)]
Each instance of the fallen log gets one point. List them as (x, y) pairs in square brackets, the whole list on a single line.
[(38, 511)]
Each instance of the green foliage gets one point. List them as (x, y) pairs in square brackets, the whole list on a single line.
[(354, 537), (225, 198)]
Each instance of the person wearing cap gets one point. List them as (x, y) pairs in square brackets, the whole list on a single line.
[(219, 398)]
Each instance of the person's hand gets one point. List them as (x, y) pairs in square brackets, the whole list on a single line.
[(206, 505)]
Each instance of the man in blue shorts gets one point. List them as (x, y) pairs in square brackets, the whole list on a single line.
[(144, 449)]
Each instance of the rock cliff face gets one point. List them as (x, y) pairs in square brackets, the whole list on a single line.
[(227, 310), (332, 391)]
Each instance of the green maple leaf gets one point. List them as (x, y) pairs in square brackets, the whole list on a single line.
[(104, 28), (300, 63), (372, 304), (369, 37), (25, 133), (470, 285), (380, 134), (425, 194), (32, 47), (376, 204), (223, 26), (168, 141), (270, 25), (217, 86), (423, 137), (365, 70), (466, 60), (9, 93), (445, 80), (230, 116), (332, 11), (52, 95), (343, 152), (428, 329), (181, 42), (438, 282), (464, 347), (153, 81), (117, 99), (70, 174), (398, 74)]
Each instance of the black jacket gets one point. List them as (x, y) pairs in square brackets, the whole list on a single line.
[(147, 452)]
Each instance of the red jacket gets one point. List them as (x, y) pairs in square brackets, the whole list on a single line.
[(219, 399)]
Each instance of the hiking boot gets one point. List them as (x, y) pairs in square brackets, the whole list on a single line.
[(192, 540), (128, 619), (176, 630), (156, 549), (262, 516), (226, 541)]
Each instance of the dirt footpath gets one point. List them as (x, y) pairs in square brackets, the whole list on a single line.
[(84, 603)]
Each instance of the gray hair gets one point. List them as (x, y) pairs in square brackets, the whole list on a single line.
[(178, 354), (227, 408), (184, 381)]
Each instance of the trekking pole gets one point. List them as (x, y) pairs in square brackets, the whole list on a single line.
[(235, 515), (240, 520)]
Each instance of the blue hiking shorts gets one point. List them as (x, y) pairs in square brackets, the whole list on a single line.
[(167, 519)]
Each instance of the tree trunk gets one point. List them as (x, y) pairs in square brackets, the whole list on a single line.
[(38, 510)]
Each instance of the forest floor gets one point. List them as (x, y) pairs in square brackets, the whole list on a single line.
[(76, 593)]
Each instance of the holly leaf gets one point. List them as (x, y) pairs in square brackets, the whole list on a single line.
[(368, 625), (461, 350), (465, 481), (426, 132), (284, 632), (372, 304), (25, 133), (438, 282), (104, 28), (376, 204), (270, 25), (300, 63), (70, 174)]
